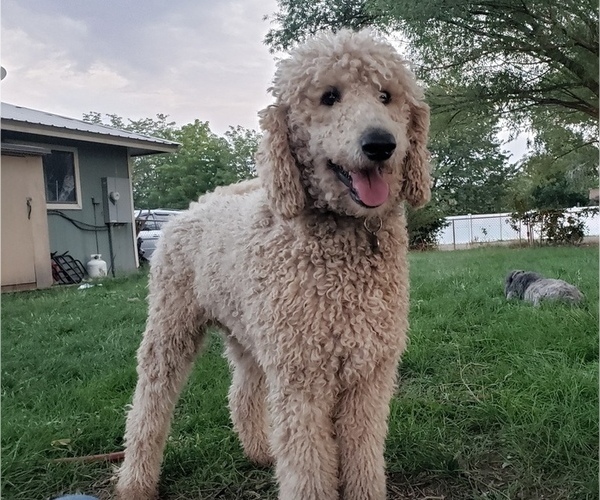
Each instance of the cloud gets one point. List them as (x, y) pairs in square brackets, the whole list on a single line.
[(187, 59)]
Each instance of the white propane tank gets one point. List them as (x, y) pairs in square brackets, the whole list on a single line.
[(96, 267)]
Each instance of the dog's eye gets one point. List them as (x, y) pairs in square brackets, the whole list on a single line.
[(385, 97), (330, 97)]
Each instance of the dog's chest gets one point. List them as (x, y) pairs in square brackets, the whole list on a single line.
[(337, 305)]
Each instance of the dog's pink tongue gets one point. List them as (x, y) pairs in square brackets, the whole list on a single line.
[(370, 187)]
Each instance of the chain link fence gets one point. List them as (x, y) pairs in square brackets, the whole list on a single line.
[(467, 231)]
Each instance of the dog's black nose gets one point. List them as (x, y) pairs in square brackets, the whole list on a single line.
[(377, 144)]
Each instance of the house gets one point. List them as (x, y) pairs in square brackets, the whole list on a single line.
[(66, 187)]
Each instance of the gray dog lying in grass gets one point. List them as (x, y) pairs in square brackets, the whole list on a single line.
[(533, 287)]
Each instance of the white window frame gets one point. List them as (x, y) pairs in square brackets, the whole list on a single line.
[(66, 206)]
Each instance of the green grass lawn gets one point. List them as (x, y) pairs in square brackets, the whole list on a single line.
[(497, 400)]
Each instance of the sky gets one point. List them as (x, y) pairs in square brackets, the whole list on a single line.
[(188, 59)]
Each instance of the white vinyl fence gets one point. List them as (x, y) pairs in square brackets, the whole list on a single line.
[(465, 231)]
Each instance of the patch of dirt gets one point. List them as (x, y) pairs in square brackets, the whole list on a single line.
[(490, 480), (427, 487)]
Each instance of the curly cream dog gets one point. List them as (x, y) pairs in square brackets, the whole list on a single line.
[(306, 274)]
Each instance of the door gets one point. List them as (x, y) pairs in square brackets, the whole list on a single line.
[(24, 248)]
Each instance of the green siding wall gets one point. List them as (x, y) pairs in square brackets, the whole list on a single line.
[(95, 162)]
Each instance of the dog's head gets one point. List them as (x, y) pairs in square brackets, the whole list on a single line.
[(516, 283), (347, 132), (508, 282)]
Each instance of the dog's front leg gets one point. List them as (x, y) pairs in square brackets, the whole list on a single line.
[(361, 429), (302, 440), (173, 337)]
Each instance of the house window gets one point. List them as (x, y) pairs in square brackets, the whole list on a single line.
[(61, 177)]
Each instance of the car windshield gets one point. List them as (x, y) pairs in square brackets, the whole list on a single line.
[(152, 225)]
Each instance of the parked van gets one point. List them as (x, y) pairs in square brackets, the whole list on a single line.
[(149, 224)]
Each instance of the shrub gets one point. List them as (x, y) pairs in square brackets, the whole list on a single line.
[(557, 227), (424, 226)]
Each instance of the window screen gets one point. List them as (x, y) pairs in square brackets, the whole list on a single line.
[(59, 175)]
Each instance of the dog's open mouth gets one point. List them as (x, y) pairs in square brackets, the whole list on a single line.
[(367, 187)]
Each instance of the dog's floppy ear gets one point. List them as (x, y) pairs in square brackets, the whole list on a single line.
[(276, 166), (416, 188), (512, 275)]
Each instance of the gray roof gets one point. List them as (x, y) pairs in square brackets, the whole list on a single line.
[(20, 119)]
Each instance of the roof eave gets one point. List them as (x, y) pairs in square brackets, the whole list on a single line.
[(136, 147), (10, 149)]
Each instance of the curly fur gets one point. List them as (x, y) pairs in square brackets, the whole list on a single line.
[(314, 315), (533, 287)]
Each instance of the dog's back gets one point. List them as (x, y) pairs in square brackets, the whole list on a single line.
[(239, 188), (552, 289)]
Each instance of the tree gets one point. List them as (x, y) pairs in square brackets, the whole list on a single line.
[(471, 172), (509, 54), (243, 144), (298, 19), (532, 63), (151, 127), (199, 166), (203, 162), (560, 168)]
